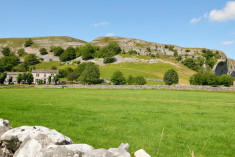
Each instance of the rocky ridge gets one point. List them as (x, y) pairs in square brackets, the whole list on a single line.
[(39, 141)]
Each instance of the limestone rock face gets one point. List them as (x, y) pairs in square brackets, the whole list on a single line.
[(4, 126), (141, 153), (44, 136), (121, 151)]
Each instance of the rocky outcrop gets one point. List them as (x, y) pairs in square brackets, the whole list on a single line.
[(39, 141)]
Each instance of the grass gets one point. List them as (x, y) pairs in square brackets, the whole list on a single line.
[(47, 65), (163, 122)]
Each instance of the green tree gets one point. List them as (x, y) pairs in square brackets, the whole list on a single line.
[(40, 82), (29, 78), (114, 48), (43, 51), (108, 60), (72, 76), (58, 51), (21, 52), (56, 79), (19, 78), (90, 75), (130, 80), (171, 77), (49, 79), (28, 43), (87, 51), (24, 77), (118, 78), (6, 51), (81, 67), (71, 53), (31, 59), (190, 63), (3, 77), (10, 80), (64, 56), (226, 80), (140, 80), (8, 62)]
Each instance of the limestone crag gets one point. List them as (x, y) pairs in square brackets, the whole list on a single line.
[(39, 141)]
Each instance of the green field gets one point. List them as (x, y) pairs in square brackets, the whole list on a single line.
[(203, 122)]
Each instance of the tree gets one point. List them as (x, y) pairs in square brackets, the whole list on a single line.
[(40, 82), (43, 51), (118, 78), (87, 51), (8, 62), (21, 52), (24, 77), (31, 59), (6, 51), (56, 79), (226, 80), (140, 80), (171, 77), (64, 72), (29, 78), (108, 60), (90, 75), (64, 56), (19, 78), (130, 80), (71, 53), (3, 77), (190, 63), (114, 48), (58, 51), (28, 43), (10, 80), (49, 79), (72, 76), (81, 67)]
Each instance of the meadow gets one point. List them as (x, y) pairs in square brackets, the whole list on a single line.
[(162, 122)]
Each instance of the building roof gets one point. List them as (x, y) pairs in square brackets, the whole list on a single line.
[(45, 71), (14, 73)]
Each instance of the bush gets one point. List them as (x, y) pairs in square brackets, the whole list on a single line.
[(171, 77), (226, 80), (58, 51), (114, 48), (130, 80), (29, 78), (140, 80), (19, 78), (56, 79), (40, 82), (87, 52), (6, 51), (3, 77), (31, 59), (108, 60), (148, 49), (43, 51), (187, 50), (90, 75), (191, 64), (28, 43), (132, 52), (118, 78), (72, 76), (8, 62), (64, 72), (21, 52), (64, 56)]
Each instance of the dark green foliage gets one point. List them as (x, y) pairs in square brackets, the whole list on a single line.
[(52, 48), (114, 48), (10, 80), (87, 52), (53, 68), (49, 79), (191, 64), (64, 56), (31, 59), (6, 51), (43, 51), (211, 58), (56, 79), (3, 77), (19, 78), (28, 43), (226, 80), (130, 80), (8, 62), (175, 53), (171, 77), (72, 76), (104, 52), (118, 78), (24, 77), (90, 75), (148, 49), (211, 62), (108, 60), (140, 80), (40, 82), (64, 72), (178, 58), (132, 52), (21, 68), (68, 54), (21, 52), (58, 50), (76, 62), (81, 67), (187, 50), (29, 78)]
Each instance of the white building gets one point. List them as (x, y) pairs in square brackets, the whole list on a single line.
[(12, 75), (42, 74)]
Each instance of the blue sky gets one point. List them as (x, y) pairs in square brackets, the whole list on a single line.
[(188, 23)]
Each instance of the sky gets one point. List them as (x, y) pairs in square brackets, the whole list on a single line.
[(186, 23)]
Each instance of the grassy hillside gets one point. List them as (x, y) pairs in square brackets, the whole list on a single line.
[(202, 122)]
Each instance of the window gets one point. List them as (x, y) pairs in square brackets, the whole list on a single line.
[(52, 74), (37, 75), (45, 81), (45, 75)]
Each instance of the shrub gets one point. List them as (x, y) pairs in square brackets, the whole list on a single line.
[(49, 79), (140, 80), (130, 80), (171, 77), (108, 60), (87, 52), (226, 80), (6, 51), (178, 58), (3, 77), (148, 49), (31, 59), (58, 50), (56, 79), (8, 62), (90, 75), (40, 82), (187, 50), (132, 52), (19, 78), (64, 72), (118, 78), (72, 76), (43, 51), (21, 52), (191, 64), (114, 48), (64, 56), (52, 48), (28, 43), (29, 78)]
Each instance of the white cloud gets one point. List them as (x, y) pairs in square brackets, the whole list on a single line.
[(225, 14), (227, 42), (101, 24), (109, 34), (195, 20)]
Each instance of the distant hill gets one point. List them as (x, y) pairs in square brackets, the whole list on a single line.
[(224, 64)]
